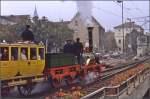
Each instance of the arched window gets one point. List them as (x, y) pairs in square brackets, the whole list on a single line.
[(76, 23)]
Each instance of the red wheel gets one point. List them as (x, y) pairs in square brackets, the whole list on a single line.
[(68, 80)]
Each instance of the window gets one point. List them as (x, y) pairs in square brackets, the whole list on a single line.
[(14, 53), (24, 54), (119, 41), (4, 53), (0, 53), (76, 23), (119, 49), (41, 53), (76, 31), (33, 55)]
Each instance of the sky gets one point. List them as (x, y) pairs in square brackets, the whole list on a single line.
[(108, 13)]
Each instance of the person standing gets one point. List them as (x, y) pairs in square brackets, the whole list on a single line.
[(68, 48), (27, 34), (78, 50)]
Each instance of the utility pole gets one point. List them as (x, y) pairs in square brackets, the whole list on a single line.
[(149, 16), (148, 46), (123, 30)]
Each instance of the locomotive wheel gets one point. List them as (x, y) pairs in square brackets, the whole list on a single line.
[(25, 90), (56, 83), (68, 80)]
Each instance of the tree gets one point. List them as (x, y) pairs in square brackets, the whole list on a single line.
[(55, 32)]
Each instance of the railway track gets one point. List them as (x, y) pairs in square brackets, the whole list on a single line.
[(106, 75)]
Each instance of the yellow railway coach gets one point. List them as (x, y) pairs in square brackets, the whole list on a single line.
[(21, 59)]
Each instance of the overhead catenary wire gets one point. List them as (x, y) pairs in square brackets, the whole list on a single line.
[(131, 11), (125, 8), (109, 12), (137, 8)]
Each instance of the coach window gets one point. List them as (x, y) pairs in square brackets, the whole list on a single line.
[(33, 55), (41, 54), (24, 54), (14, 53), (0, 53), (4, 54)]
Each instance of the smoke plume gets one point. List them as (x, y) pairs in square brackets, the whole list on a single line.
[(85, 10)]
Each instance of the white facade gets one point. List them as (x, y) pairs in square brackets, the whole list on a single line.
[(141, 45), (118, 33)]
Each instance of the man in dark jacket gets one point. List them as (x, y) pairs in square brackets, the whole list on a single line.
[(68, 48), (27, 34), (78, 49)]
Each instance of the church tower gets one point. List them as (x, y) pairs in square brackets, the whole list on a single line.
[(35, 13)]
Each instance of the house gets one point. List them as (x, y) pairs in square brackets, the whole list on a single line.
[(127, 27), (142, 45), (131, 41), (80, 30)]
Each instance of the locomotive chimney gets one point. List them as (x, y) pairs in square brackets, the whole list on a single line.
[(90, 37)]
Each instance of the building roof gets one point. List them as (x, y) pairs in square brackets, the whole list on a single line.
[(60, 22), (127, 25), (35, 12), (14, 18), (93, 18)]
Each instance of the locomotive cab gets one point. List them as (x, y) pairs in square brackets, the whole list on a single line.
[(21, 59)]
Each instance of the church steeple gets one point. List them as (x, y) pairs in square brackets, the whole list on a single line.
[(35, 12)]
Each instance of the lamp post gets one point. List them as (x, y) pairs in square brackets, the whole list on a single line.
[(148, 46), (121, 1)]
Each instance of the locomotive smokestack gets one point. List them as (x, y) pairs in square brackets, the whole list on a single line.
[(90, 37)]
